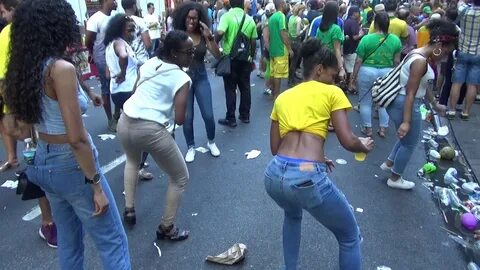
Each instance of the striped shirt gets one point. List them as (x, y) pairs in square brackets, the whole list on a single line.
[(469, 41)]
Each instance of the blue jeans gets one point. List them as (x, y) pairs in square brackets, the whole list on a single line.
[(403, 149), (365, 78), (202, 91), (296, 185), (57, 172), (466, 69), (104, 81)]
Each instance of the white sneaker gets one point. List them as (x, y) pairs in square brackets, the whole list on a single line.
[(213, 149), (190, 156), (385, 167), (400, 184)]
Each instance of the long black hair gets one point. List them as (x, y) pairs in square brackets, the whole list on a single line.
[(180, 15), (330, 15), (172, 42), (382, 21), (314, 53), (41, 29), (115, 28)]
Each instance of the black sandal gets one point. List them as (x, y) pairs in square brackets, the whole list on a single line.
[(171, 233), (129, 216)]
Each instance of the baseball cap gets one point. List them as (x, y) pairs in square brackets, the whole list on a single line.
[(427, 10), (270, 8), (379, 8)]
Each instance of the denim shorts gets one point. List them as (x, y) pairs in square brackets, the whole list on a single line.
[(466, 69)]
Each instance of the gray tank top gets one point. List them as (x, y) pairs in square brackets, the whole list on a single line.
[(52, 120)]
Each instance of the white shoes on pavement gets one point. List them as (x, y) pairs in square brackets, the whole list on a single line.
[(190, 156), (214, 151), (385, 167), (400, 184)]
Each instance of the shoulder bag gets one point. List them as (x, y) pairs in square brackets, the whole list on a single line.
[(224, 66)]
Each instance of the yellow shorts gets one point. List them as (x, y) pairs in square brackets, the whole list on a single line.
[(279, 67)]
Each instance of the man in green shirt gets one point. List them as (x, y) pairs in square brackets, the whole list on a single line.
[(279, 47), (240, 70)]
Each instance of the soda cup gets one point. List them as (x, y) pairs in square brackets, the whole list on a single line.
[(360, 156)]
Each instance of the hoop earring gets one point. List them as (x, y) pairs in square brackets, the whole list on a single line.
[(437, 53)]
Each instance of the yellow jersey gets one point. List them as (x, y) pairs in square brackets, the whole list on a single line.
[(4, 50), (397, 27), (307, 107)]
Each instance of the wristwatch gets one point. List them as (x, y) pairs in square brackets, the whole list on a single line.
[(96, 179)]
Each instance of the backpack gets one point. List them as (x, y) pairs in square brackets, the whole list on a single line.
[(241, 48)]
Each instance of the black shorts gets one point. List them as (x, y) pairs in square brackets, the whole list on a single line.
[(29, 190)]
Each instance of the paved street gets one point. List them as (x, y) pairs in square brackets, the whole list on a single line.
[(225, 202)]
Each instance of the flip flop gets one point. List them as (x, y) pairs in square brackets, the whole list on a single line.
[(8, 165)]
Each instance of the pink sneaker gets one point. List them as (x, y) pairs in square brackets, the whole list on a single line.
[(49, 234)]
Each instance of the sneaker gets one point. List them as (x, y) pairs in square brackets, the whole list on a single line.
[(400, 184), (227, 122), (190, 156), (451, 114), (49, 234), (267, 92), (112, 125), (385, 167), (145, 175), (261, 75), (213, 149)]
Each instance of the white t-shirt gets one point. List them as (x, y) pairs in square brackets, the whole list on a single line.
[(137, 44), (153, 24), (154, 98), (426, 81), (114, 68), (98, 24)]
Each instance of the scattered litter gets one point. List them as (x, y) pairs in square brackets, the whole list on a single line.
[(123, 192), (470, 187), (158, 249), (202, 150), (469, 221), (341, 161), (434, 154), (105, 137), (472, 266), (252, 154), (194, 214), (376, 176), (11, 184), (443, 131), (5, 208), (450, 176), (233, 255), (360, 210), (429, 168), (383, 267), (252, 85), (231, 150), (84, 115)]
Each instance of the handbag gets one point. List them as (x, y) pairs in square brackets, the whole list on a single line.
[(224, 66), (385, 89)]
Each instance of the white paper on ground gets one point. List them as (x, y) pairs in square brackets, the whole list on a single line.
[(10, 184), (253, 154), (341, 161), (443, 131), (383, 267), (360, 210), (202, 150), (105, 137)]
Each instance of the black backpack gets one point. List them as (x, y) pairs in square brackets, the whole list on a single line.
[(241, 48)]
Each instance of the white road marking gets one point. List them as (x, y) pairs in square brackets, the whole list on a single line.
[(35, 211)]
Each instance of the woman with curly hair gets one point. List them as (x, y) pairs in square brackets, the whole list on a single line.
[(43, 90), (192, 18)]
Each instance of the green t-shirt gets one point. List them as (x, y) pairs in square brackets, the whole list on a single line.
[(334, 33), (384, 55), (229, 24), (276, 24), (292, 26)]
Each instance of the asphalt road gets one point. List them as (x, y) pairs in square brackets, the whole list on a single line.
[(225, 203)]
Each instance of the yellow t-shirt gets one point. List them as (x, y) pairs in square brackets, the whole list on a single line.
[(397, 27), (423, 36), (307, 107), (4, 56), (4, 50)]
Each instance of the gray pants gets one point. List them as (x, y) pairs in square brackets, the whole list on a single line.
[(137, 136)]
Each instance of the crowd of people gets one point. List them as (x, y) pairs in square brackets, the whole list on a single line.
[(154, 68)]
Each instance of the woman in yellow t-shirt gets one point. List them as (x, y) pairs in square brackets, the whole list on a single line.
[(296, 178)]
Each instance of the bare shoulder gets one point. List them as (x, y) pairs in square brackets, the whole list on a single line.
[(62, 69)]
